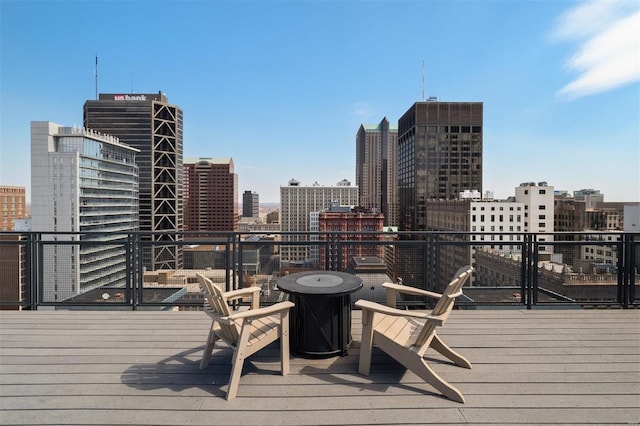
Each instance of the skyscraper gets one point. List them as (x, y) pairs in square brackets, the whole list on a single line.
[(439, 156), (150, 124), (210, 195), (82, 182), (250, 204), (376, 170)]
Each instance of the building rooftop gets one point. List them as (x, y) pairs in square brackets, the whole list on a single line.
[(553, 367)]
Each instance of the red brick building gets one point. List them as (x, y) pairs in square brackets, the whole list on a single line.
[(14, 206), (210, 195), (349, 225)]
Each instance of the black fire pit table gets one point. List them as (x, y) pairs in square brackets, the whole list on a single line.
[(320, 322)]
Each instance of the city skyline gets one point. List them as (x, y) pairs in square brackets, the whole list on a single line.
[(282, 87)]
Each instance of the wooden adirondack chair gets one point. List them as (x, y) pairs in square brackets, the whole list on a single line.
[(407, 334), (245, 331)]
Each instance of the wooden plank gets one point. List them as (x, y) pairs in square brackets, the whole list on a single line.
[(555, 367)]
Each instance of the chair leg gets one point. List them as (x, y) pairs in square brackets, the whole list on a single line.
[(445, 350), (284, 343), (422, 369), (236, 372), (206, 355), (239, 354), (364, 363)]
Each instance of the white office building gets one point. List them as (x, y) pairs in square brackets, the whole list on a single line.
[(297, 202), (495, 217), (82, 182), (538, 202)]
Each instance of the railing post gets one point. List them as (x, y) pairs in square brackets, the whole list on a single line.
[(230, 258), (130, 266), (33, 269), (534, 270), (526, 271), (632, 267), (625, 261), (240, 262), (339, 252), (138, 279)]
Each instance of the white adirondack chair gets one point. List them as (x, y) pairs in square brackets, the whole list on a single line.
[(245, 331), (405, 335)]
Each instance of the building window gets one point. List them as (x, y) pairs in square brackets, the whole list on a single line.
[(542, 191), (542, 207)]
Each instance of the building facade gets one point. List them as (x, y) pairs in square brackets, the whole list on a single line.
[(439, 156), (210, 195), (352, 225), (297, 202), (539, 215), (82, 181), (14, 206), (494, 225), (376, 169), (149, 123), (250, 204)]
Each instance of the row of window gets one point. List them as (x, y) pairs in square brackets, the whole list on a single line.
[(501, 208), (500, 229), (500, 218)]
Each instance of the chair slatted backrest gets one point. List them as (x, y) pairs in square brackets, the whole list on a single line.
[(217, 300), (444, 306)]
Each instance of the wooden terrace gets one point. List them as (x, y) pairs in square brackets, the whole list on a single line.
[(544, 366)]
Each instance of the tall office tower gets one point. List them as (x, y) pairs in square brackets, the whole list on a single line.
[(210, 195), (150, 124), (376, 169), (82, 181), (439, 156), (297, 203), (250, 204), (14, 206)]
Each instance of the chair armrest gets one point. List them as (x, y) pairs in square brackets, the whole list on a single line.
[(262, 312), (243, 292), (400, 288), (368, 305), (252, 292)]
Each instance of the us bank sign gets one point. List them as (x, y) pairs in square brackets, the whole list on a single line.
[(129, 97)]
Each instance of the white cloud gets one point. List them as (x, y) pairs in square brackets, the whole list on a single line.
[(362, 111), (609, 53)]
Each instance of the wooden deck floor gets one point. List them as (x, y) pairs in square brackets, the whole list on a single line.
[(114, 367)]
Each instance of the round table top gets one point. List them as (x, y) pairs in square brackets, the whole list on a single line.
[(329, 283)]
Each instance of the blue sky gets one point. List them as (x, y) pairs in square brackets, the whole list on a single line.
[(282, 86)]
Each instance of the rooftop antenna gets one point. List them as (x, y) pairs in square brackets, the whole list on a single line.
[(96, 76), (423, 80)]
